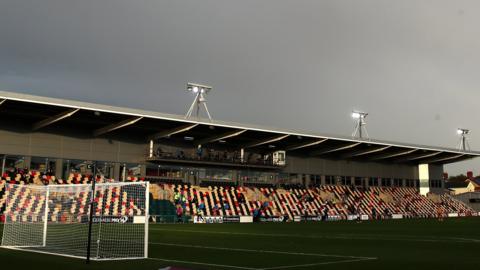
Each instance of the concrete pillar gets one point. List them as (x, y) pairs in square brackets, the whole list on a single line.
[(424, 177), (150, 150), (308, 180), (116, 171), (322, 180), (59, 169), (143, 170), (235, 177), (28, 162)]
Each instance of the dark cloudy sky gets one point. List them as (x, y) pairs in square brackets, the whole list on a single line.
[(298, 64)]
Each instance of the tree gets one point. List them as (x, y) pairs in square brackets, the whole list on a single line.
[(457, 178)]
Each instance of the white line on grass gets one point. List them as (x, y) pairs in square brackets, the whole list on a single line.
[(315, 264), (465, 239), (204, 264), (345, 237), (266, 268), (265, 251)]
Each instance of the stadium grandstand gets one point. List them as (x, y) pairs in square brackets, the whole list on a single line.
[(84, 180), (213, 168)]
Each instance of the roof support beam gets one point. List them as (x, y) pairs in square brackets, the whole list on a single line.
[(46, 122), (409, 159), (265, 141), (2, 101), (173, 131), (219, 137), (435, 160), (334, 149), (365, 152), (392, 155), (116, 126), (304, 145)]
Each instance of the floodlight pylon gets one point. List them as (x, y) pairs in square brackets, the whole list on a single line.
[(360, 129), (463, 144), (200, 91)]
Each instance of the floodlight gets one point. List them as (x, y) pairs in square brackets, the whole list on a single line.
[(358, 115), (462, 131), (360, 123), (463, 144), (199, 91)]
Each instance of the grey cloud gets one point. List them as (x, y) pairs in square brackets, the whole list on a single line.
[(293, 64)]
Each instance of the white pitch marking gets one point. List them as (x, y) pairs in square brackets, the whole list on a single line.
[(205, 264), (465, 239), (316, 264), (266, 251), (347, 237)]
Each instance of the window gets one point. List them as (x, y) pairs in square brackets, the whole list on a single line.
[(435, 183), (346, 180), (358, 181), (259, 177), (43, 165), (386, 182), (316, 179), (397, 182), (14, 163), (373, 181), (330, 180)]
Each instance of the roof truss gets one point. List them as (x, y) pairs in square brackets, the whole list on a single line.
[(219, 137), (435, 160), (333, 149), (365, 152), (266, 141), (46, 122), (409, 159), (116, 126), (173, 131), (304, 145), (392, 155)]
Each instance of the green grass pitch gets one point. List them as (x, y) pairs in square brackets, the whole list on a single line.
[(390, 244)]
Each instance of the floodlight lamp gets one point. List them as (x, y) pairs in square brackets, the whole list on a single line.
[(195, 89), (462, 131), (359, 115)]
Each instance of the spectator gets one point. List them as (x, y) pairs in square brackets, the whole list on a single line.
[(179, 213), (374, 213), (226, 206)]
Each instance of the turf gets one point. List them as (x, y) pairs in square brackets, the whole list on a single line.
[(392, 244)]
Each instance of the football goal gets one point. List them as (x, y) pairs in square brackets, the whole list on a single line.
[(57, 219)]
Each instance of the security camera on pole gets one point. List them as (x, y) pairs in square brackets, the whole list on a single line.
[(200, 91), (360, 125)]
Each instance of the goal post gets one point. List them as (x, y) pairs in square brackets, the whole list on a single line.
[(55, 219)]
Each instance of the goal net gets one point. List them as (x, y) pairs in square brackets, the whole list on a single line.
[(55, 219)]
